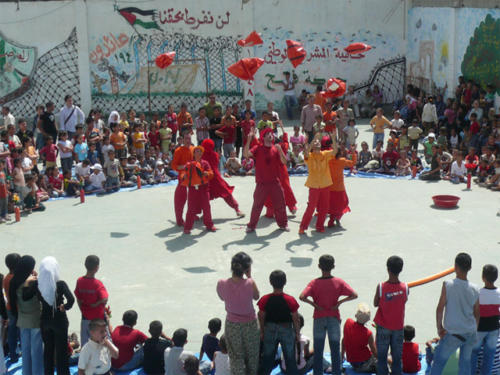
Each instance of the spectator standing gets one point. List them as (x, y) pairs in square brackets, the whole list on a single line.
[(308, 116), (70, 116)]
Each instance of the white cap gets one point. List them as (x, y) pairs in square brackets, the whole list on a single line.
[(97, 166), (431, 135), (158, 163)]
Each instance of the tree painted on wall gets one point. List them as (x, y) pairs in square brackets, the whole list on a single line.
[(481, 61)]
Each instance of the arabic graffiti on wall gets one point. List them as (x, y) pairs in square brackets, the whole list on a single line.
[(109, 46), (326, 58), (121, 67), (173, 16), (16, 67)]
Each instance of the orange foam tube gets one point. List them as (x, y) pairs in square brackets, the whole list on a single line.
[(428, 279)]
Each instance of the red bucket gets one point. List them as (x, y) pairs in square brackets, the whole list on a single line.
[(445, 201)]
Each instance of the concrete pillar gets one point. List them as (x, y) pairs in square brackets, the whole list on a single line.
[(81, 22)]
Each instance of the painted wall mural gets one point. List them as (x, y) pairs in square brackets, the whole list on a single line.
[(481, 62), (17, 63), (53, 74), (444, 43), (325, 58), (122, 64)]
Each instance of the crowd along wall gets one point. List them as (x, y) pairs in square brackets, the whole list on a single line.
[(445, 43), (102, 51)]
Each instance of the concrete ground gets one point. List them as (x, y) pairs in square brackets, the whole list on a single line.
[(147, 264)]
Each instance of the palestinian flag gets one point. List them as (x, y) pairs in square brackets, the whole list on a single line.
[(133, 17)]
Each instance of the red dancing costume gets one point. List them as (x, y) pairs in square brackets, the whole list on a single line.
[(182, 156), (284, 178), (268, 160), (217, 186), (196, 177)]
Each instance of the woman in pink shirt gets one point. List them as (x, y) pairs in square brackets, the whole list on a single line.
[(241, 330)]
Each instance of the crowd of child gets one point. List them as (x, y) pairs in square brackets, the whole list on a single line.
[(460, 137), (35, 305)]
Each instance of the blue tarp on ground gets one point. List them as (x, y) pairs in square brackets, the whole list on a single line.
[(15, 368)]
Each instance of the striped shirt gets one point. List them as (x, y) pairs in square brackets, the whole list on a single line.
[(489, 309)]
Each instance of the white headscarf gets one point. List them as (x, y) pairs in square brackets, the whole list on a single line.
[(47, 279), (113, 114)]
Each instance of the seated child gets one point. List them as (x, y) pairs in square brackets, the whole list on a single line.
[(364, 156), (233, 164), (154, 348), (297, 138), (411, 354), (358, 343), (403, 165), (126, 338), (97, 179), (221, 359), (71, 186), (247, 166), (493, 182), (483, 170), (55, 180), (210, 343), (458, 172), (304, 354), (96, 354), (192, 365), (175, 356), (160, 175)]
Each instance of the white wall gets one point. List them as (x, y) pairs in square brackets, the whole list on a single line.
[(323, 26)]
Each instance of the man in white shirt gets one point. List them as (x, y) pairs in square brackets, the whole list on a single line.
[(8, 118), (70, 116), (290, 98)]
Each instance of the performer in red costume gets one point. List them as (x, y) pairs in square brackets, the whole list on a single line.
[(217, 186), (268, 159), (196, 176), (182, 155), (284, 178)]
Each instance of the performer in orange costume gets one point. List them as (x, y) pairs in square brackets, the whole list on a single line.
[(196, 175), (182, 156), (339, 202)]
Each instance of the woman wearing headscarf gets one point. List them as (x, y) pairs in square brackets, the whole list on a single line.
[(217, 186), (56, 299), (26, 306)]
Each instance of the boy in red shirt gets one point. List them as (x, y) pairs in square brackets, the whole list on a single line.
[(411, 354), (358, 343), (279, 323), (91, 296), (325, 292), (126, 338), (390, 298)]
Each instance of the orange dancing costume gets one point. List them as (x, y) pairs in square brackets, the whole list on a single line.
[(195, 178), (182, 156), (339, 202)]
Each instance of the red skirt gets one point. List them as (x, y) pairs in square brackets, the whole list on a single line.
[(339, 204)]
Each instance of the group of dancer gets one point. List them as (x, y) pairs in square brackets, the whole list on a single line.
[(200, 181)]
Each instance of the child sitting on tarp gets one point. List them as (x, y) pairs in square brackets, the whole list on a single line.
[(358, 344)]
